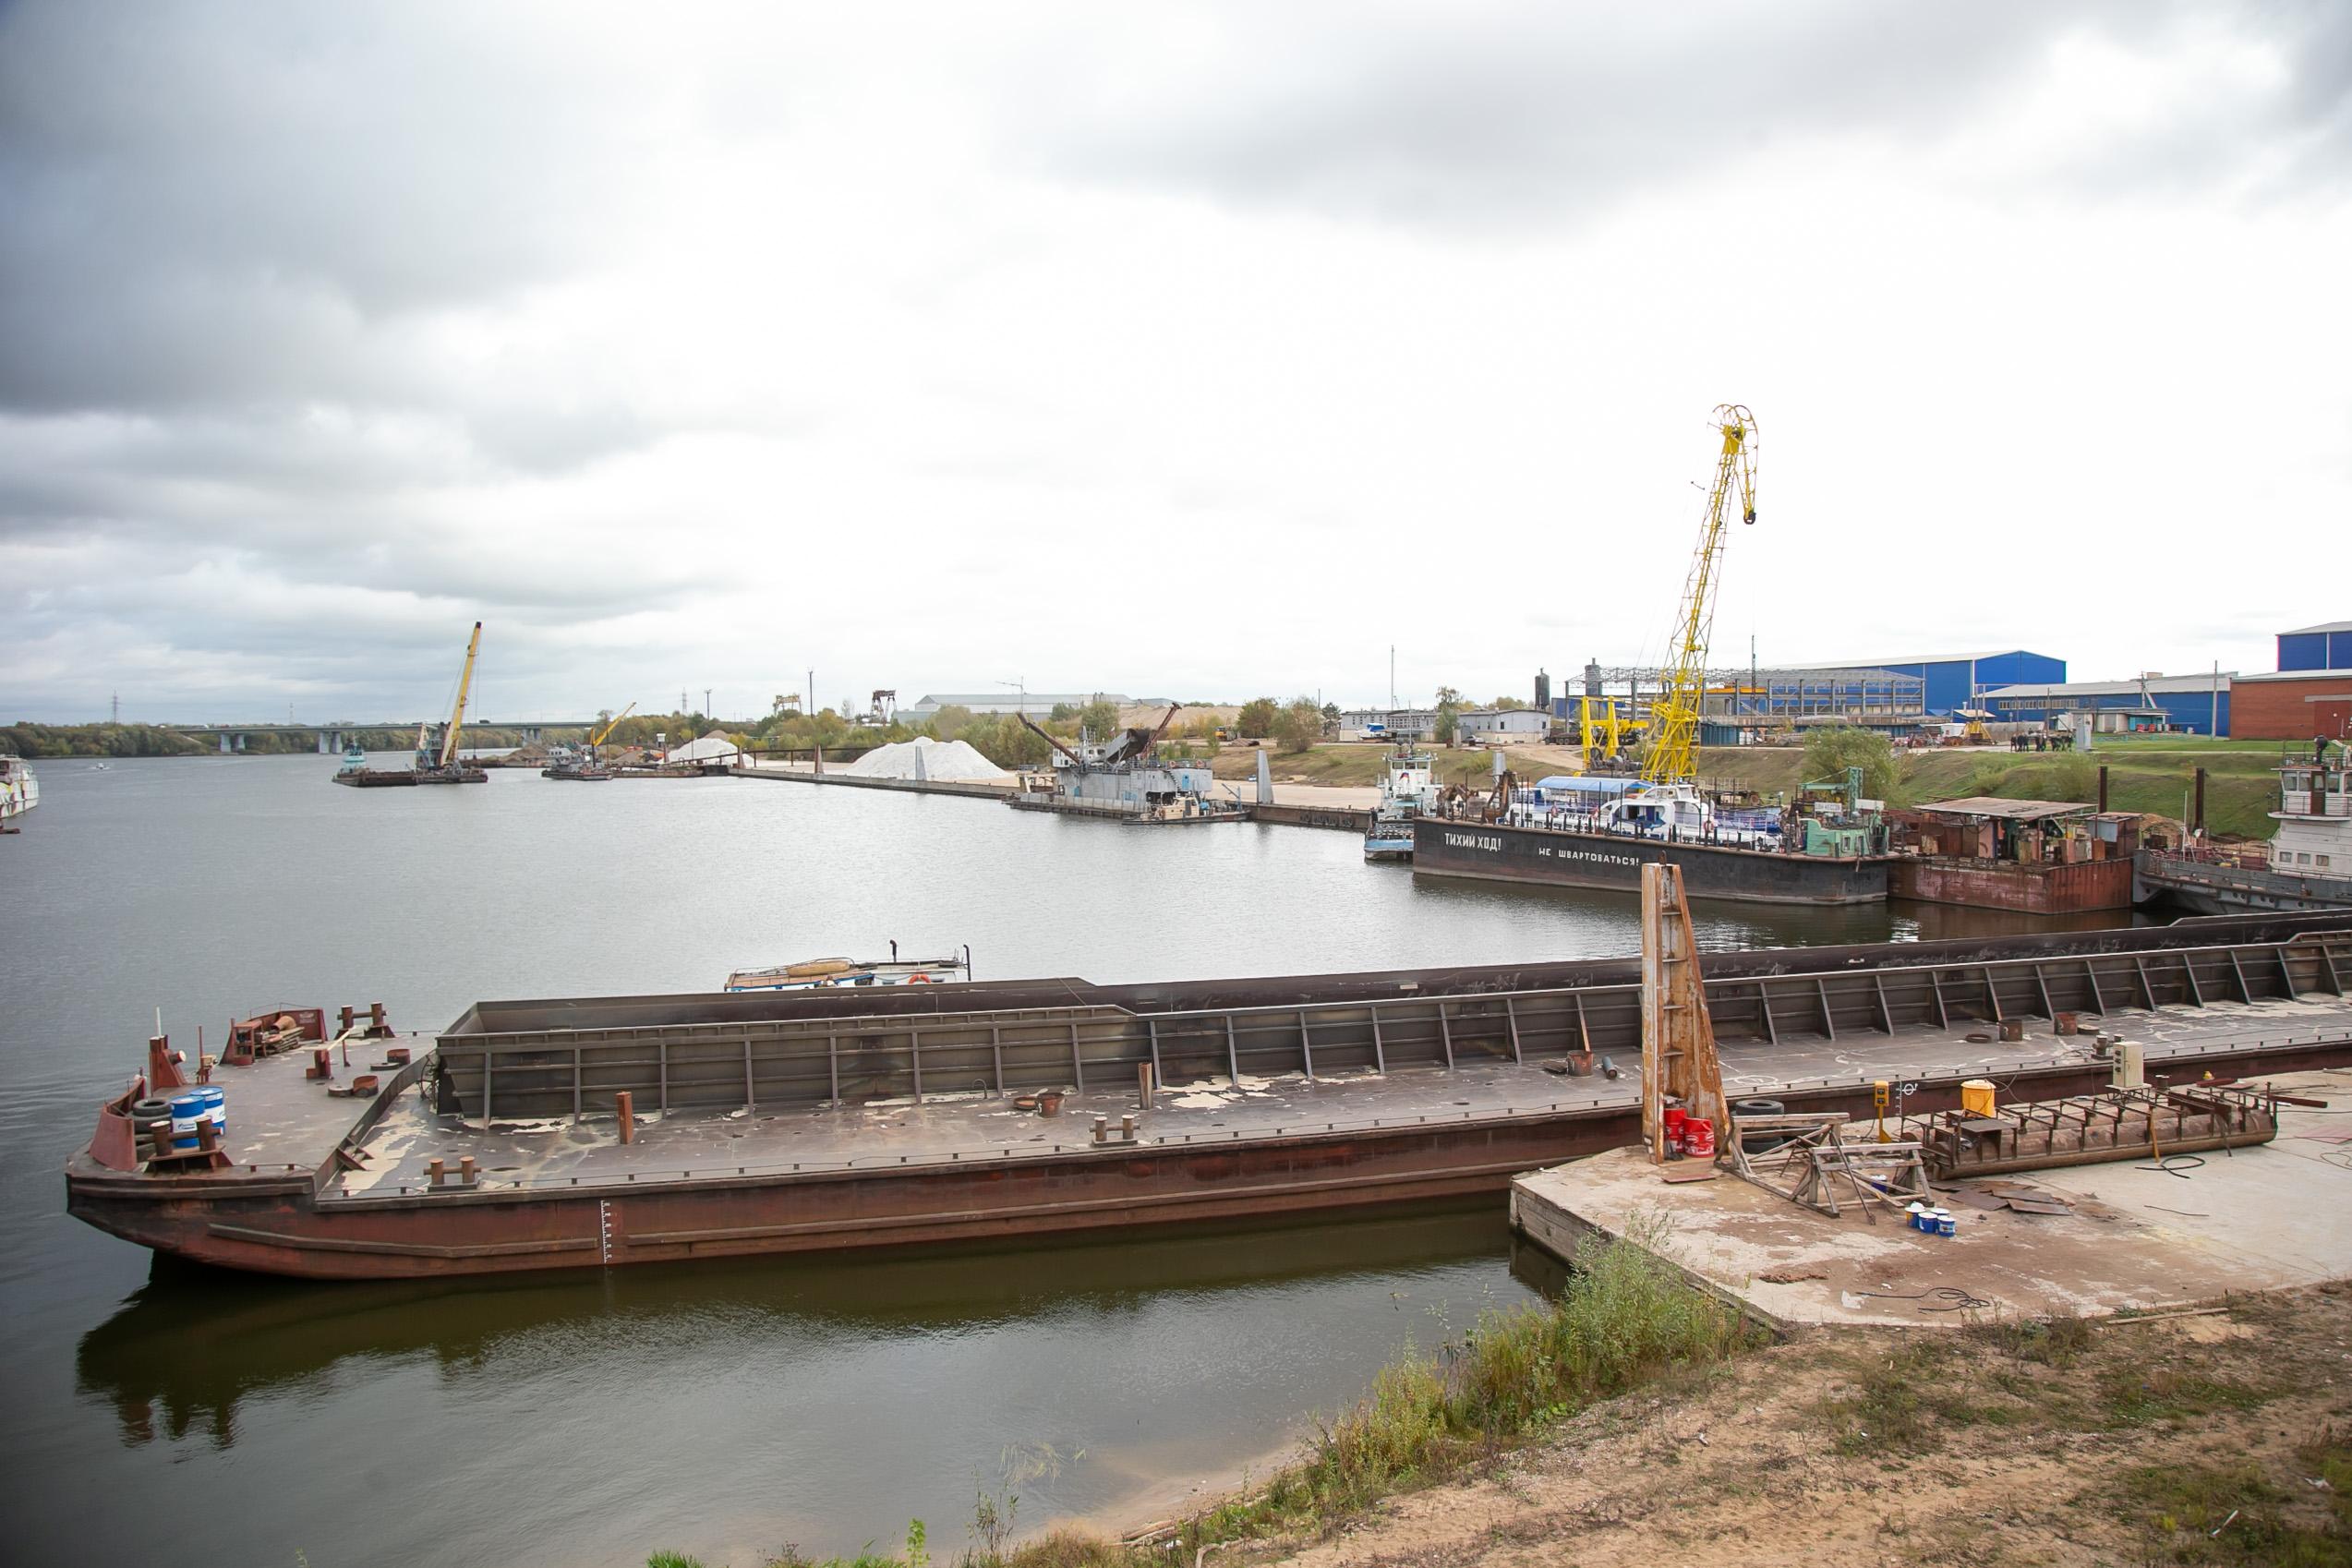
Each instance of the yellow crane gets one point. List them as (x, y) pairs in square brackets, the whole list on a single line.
[(1674, 717), (597, 739), (465, 683)]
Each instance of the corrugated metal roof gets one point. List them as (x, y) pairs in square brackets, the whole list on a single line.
[(2310, 631), (2015, 811), (1914, 659), (2203, 683)]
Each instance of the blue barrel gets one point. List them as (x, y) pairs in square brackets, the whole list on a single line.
[(186, 1111), (216, 1108)]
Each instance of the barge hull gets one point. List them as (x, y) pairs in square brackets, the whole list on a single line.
[(1556, 858), (282, 1231)]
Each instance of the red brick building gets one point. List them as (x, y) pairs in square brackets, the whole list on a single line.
[(2292, 706)]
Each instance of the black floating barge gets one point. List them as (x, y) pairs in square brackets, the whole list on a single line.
[(1562, 858)]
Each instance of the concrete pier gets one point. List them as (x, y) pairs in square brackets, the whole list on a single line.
[(2136, 1238)]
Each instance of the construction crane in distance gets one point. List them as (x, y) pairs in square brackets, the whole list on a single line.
[(1675, 715), (457, 716), (597, 738)]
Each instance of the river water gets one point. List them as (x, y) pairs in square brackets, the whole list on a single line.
[(727, 1408)]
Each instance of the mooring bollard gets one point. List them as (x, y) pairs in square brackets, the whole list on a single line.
[(435, 1168), (466, 1169), (1126, 1127), (1102, 1128), (625, 1103)]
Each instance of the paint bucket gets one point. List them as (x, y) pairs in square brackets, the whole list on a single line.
[(1914, 1215), (186, 1111), (1699, 1138), (1944, 1223), (1678, 1123), (1976, 1097)]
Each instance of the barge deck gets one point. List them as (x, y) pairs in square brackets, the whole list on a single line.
[(797, 1122)]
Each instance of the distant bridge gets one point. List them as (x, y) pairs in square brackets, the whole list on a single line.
[(333, 738)]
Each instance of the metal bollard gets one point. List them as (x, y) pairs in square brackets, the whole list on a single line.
[(435, 1168), (465, 1170), (1102, 1128)]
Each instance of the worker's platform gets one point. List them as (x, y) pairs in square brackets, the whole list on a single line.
[(2264, 1218)]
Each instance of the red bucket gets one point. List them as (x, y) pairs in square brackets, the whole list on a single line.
[(1677, 1128), (1699, 1138)]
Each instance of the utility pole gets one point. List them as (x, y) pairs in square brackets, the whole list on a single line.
[(1391, 677), (2215, 724)]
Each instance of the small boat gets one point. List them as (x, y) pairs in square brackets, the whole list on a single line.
[(818, 974), (1409, 789)]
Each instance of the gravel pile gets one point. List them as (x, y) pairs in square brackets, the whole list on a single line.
[(925, 758)]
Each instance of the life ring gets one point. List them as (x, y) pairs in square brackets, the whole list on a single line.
[(919, 980)]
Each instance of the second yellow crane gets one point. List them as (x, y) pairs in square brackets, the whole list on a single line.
[(1674, 717)]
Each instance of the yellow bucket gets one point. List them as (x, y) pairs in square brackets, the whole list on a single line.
[(1976, 1097)]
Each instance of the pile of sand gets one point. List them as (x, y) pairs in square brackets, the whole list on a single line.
[(927, 758)]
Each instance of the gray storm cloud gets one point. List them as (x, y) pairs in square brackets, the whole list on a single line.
[(734, 337)]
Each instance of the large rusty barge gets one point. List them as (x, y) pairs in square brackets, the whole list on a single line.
[(791, 1122)]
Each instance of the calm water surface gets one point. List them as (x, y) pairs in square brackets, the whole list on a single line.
[(586, 1418)]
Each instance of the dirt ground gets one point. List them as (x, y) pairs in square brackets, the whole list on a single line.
[(2131, 1443)]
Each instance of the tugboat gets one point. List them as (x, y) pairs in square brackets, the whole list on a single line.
[(1409, 789), (821, 974), (20, 791), (2308, 860)]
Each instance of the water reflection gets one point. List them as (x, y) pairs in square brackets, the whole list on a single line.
[(185, 1351)]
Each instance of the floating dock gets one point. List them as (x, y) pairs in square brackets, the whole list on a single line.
[(2095, 1239), (786, 1122)]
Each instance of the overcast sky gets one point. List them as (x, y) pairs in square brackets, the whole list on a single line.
[(1200, 350)]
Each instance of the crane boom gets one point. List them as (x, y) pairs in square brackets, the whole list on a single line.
[(1674, 717), (465, 683), (599, 737)]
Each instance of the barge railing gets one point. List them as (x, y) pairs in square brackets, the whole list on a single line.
[(1306, 1126), (816, 1058)]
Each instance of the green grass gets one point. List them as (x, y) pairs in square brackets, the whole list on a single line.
[(2229, 1512), (1626, 1319), (2240, 790)]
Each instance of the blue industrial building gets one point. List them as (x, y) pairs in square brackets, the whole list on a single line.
[(2198, 705), (1956, 680), (2317, 648)]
